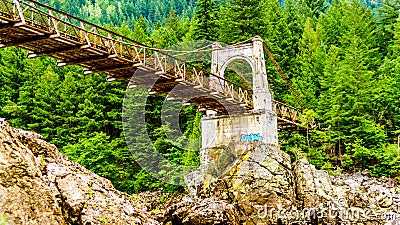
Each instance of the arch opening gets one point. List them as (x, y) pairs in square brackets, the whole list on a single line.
[(239, 70)]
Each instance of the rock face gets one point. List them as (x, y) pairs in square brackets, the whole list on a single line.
[(347, 198), (207, 211), (266, 188), (260, 176), (39, 185)]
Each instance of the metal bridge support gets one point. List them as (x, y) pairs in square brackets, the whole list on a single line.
[(259, 125)]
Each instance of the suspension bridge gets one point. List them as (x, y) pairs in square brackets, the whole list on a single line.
[(45, 31)]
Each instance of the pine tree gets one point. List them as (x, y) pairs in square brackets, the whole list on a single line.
[(310, 61), (140, 31), (206, 17), (316, 7), (278, 37), (387, 16), (242, 19), (389, 80)]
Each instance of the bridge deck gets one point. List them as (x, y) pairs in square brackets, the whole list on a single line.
[(45, 31)]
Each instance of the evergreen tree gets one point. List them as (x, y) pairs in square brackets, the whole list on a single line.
[(206, 20), (140, 31), (387, 16), (310, 60), (316, 7), (241, 19), (278, 38), (349, 87), (389, 79)]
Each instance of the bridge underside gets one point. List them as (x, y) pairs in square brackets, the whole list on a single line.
[(70, 51)]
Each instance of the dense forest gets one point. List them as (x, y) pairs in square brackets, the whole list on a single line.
[(342, 56)]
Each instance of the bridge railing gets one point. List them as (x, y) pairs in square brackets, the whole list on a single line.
[(8, 10), (292, 115), (198, 77), (64, 27)]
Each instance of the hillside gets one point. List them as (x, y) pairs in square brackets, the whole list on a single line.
[(123, 11)]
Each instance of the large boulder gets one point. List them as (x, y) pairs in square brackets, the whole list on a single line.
[(39, 185)]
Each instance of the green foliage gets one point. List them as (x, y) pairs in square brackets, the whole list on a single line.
[(280, 39), (123, 11), (98, 153), (347, 161), (241, 19), (3, 219), (310, 58), (328, 167), (360, 153), (206, 20), (388, 15), (298, 153), (388, 161), (191, 157)]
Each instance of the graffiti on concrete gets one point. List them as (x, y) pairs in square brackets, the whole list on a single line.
[(251, 137)]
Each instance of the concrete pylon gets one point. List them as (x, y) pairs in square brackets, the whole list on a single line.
[(260, 124), (225, 138), (262, 98)]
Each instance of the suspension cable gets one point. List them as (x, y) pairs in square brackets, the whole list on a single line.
[(284, 76), (202, 49)]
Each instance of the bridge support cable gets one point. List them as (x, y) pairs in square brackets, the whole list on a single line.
[(284, 76), (286, 112)]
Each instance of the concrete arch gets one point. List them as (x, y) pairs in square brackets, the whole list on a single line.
[(253, 53)]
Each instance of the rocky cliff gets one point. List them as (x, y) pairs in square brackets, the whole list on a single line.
[(39, 185)]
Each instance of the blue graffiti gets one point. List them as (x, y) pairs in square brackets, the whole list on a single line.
[(251, 137)]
